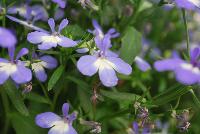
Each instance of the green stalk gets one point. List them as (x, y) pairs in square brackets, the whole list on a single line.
[(195, 99), (5, 102), (187, 32)]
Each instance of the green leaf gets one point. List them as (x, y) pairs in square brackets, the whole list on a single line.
[(37, 98), (15, 97), (170, 95), (24, 125), (55, 77), (131, 45), (120, 96)]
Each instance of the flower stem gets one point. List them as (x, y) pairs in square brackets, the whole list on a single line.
[(6, 110), (187, 31), (196, 100)]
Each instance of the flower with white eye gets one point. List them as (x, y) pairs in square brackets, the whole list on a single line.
[(15, 68), (58, 125), (103, 61), (49, 40), (186, 72), (40, 63)]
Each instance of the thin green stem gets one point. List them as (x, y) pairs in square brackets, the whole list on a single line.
[(196, 100), (6, 110), (187, 31), (45, 92)]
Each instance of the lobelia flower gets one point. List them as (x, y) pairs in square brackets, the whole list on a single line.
[(7, 39), (31, 14), (188, 4), (58, 125), (103, 61), (49, 40), (15, 68), (61, 3), (186, 72), (34, 13), (40, 63)]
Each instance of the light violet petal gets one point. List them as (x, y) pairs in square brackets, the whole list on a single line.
[(36, 37), (120, 66), (142, 64), (46, 45), (86, 65), (107, 75), (187, 74), (65, 109), (62, 129), (7, 39), (49, 62), (167, 64), (187, 4), (22, 52), (21, 75), (3, 76), (39, 71), (63, 24), (51, 23), (194, 54), (61, 3), (67, 42), (59, 14), (47, 119)]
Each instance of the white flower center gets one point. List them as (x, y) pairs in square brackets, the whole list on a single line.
[(190, 67), (8, 68), (103, 63), (37, 67), (51, 38)]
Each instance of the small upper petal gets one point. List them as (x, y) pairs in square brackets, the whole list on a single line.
[(22, 52), (65, 109), (63, 24), (51, 23)]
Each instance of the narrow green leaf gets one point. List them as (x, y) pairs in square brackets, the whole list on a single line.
[(170, 95), (55, 77), (24, 125), (131, 45), (15, 97), (37, 98), (120, 96)]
